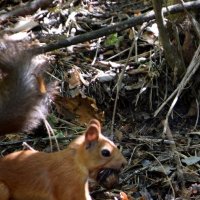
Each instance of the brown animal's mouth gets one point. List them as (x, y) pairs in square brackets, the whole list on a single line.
[(108, 178)]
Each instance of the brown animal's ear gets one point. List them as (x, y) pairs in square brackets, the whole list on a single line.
[(92, 133), (96, 122)]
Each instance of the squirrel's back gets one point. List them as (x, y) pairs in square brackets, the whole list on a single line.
[(22, 103)]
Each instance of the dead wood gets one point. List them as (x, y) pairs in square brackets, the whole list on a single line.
[(27, 9), (117, 27)]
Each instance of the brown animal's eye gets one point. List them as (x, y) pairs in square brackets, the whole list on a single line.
[(105, 153)]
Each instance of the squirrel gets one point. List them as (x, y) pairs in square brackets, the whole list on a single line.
[(61, 175), (23, 94)]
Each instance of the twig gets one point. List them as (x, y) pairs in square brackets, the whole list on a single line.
[(194, 5), (175, 152), (97, 50), (168, 179), (27, 146), (197, 108), (119, 85), (2, 144), (28, 8), (192, 68)]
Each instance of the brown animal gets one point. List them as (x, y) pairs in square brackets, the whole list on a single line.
[(62, 175)]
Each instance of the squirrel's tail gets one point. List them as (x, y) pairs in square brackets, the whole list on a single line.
[(23, 99)]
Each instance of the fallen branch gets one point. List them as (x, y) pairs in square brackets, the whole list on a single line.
[(26, 9), (191, 70), (194, 5)]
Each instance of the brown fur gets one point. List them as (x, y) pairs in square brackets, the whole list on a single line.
[(22, 99), (63, 175)]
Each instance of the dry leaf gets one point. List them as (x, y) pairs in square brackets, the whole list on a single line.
[(119, 135), (74, 78), (24, 24), (80, 109), (123, 196), (13, 137)]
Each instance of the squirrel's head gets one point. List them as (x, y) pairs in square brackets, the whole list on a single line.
[(98, 152)]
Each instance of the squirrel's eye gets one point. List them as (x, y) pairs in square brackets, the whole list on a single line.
[(105, 153)]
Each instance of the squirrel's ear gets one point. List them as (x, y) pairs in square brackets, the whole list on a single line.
[(92, 133), (96, 122)]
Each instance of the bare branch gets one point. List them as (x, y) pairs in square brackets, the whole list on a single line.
[(27, 9), (194, 5)]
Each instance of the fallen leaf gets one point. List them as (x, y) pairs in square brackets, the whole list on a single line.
[(191, 160), (123, 196), (81, 109)]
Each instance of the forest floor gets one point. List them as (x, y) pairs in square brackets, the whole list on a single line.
[(162, 148)]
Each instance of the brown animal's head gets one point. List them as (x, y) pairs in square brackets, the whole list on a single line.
[(98, 152)]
